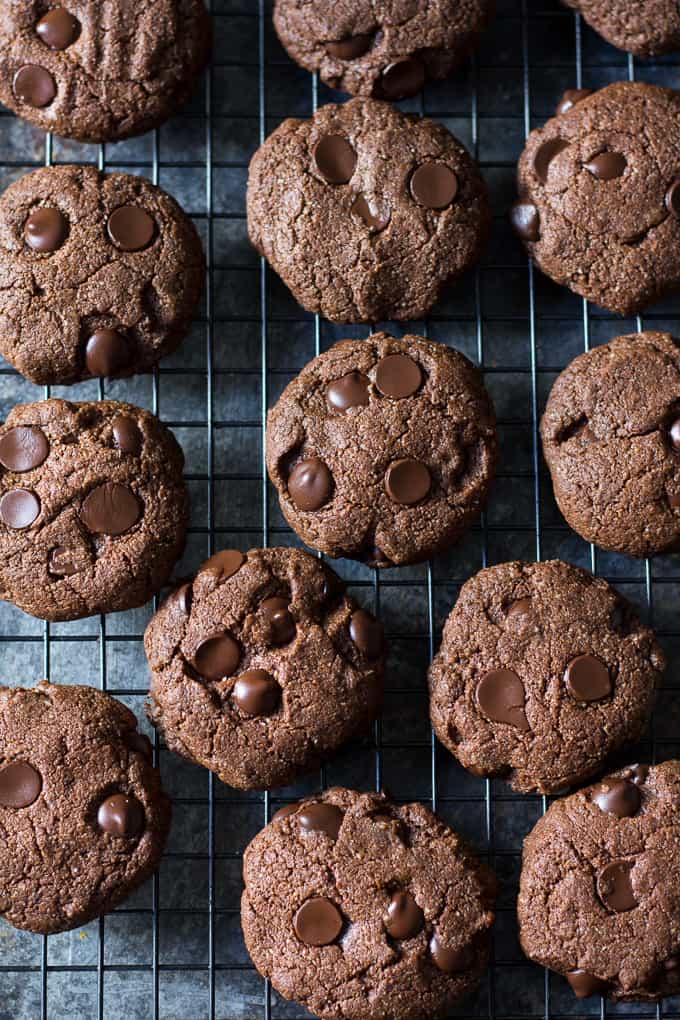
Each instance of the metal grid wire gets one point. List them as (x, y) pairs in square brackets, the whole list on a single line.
[(174, 950)]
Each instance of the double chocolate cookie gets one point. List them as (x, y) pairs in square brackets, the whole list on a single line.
[(366, 213), (103, 71), (543, 673), (83, 819), (599, 894), (262, 666), (645, 28), (599, 185), (361, 909), (100, 274), (386, 49), (383, 449), (93, 508), (611, 438)]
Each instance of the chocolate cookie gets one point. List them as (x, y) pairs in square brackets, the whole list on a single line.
[(386, 49), (263, 666), (83, 819), (645, 28), (611, 438), (364, 910), (544, 672), (366, 213), (99, 274), (599, 895), (100, 72), (93, 508), (383, 449), (599, 205)]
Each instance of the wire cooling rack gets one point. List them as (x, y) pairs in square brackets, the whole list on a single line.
[(174, 950)]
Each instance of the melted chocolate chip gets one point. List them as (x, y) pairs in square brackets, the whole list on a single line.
[(256, 693), (588, 678), (121, 815), (674, 434), (402, 78), (501, 697), (106, 352), (350, 390), (615, 888), (131, 228), (407, 481), (183, 598), (224, 564), (62, 562), (367, 210), (285, 812), (318, 817), (618, 797), (545, 154), (584, 984), (335, 159), (367, 633), (570, 98), (110, 509), (23, 448), (310, 484), (607, 166), (434, 185), (398, 376), (349, 48), (34, 86), (45, 230), (20, 785), (449, 961), (140, 744), (19, 508), (58, 29), (126, 434), (278, 621), (217, 657), (520, 615), (318, 922), (404, 917), (672, 199), (525, 220)]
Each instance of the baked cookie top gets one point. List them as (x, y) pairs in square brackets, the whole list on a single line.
[(599, 894), (361, 909), (93, 507), (544, 671), (262, 666), (645, 28), (383, 48), (100, 71), (611, 438), (83, 819), (365, 213), (383, 449), (599, 190), (99, 274)]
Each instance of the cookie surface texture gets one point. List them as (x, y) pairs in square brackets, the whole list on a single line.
[(646, 28)]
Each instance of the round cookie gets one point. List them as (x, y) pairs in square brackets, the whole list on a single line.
[(100, 72), (82, 814), (366, 213), (383, 449), (386, 49), (361, 909), (543, 673), (599, 186), (263, 666), (100, 274), (599, 896), (645, 28), (611, 438), (93, 508)]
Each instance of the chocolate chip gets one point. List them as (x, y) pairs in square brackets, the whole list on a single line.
[(367, 210), (131, 228), (19, 508), (126, 434), (525, 220), (256, 693), (501, 697), (607, 166), (367, 633), (320, 817), (45, 230), (110, 509), (618, 797), (672, 198), (584, 984), (545, 154), (34, 86), (350, 390), (61, 562), (350, 48), (637, 774), (521, 615), (398, 376), (58, 29), (404, 917), (310, 484), (318, 922), (335, 159), (183, 597), (449, 961), (106, 352), (570, 98), (20, 785), (402, 78), (407, 481), (279, 622), (615, 888), (140, 743), (217, 657), (285, 812), (23, 448), (121, 815), (588, 678), (674, 433), (434, 185), (224, 564)]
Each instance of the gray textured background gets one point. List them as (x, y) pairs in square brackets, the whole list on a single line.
[(174, 951)]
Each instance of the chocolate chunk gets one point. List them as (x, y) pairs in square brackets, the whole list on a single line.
[(256, 693), (20, 785), (525, 220), (607, 166), (335, 159), (45, 230), (546, 154), (217, 657), (310, 484), (367, 633), (501, 697), (279, 622), (19, 508), (402, 78), (404, 917), (434, 185), (349, 390), (285, 812), (106, 352), (520, 615), (183, 598), (58, 29), (618, 797), (637, 774), (674, 433), (369, 212), (615, 888), (34, 86), (140, 744), (110, 509), (351, 47), (407, 481), (224, 564), (398, 376), (449, 960), (570, 98), (23, 448), (62, 562), (131, 228), (584, 984), (121, 815), (672, 198), (588, 679), (126, 435), (318, 922), (320, 817)]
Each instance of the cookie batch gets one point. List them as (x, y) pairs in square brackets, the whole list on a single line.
[(382, 450)]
